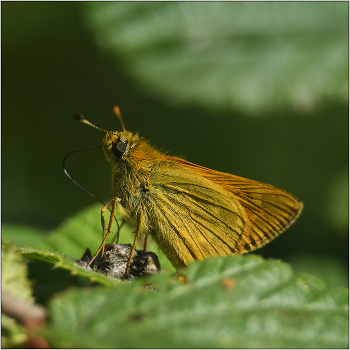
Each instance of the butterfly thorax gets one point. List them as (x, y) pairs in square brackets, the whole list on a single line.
[(132, 159)]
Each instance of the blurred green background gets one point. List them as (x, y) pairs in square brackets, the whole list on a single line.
[(259, 90)]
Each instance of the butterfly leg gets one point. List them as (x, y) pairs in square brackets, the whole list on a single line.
[(145, 243), (116, 236), (137, 232), (112, 202)]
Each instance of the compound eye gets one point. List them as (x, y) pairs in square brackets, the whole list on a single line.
[(119, 149)]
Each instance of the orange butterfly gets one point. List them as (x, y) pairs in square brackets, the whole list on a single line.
[(191, 212)]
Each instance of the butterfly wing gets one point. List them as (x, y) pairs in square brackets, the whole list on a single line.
[(267, 209), (193, 217)]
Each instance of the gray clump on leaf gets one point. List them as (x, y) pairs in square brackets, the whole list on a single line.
[(115, 258)]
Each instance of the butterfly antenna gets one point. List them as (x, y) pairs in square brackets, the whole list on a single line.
[(83, 120), (119, 116)]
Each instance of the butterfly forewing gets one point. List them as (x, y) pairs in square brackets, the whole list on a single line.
[(268, 209)]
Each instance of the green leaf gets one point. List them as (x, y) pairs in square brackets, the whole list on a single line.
[(15, 283), (253, 56), (238, 302), (13, 335), (14, 273)]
